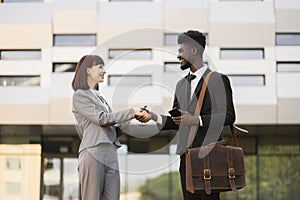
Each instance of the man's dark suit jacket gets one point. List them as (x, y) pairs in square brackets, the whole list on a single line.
[(217, 110)]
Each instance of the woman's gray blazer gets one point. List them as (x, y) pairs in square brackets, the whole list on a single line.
[(94, 122)]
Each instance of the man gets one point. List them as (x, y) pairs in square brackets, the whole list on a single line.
[(217, 109)]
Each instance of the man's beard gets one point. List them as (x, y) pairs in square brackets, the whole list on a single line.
[(185, 66)]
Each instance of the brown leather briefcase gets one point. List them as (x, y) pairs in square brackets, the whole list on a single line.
[(215, 168)]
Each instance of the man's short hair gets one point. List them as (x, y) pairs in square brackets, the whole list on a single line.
[(196, 38)]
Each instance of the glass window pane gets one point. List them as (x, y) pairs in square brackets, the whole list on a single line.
[(20, 54), (288, 67), (71, 179), (20, 80), (52, 178), (175, 67), (13, 163), (13, 188), (23, 1), (241, 0), (172, 67), (64, 67), (242, 53), (247, 80), (130, 53), (129, 80), (288, 39), (130, 0), (170, 39), (75, 40)]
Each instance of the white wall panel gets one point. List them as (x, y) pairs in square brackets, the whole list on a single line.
[(129, 16), (25, 36), (250, 95), (130, 13), (130, 35), (183, 15), (288, 85), (70, 54), (287, 15), (25, 13), (20, 27), (288, 111), (287, 53), (74, 21), (75, 5), (24, 95), (264, 114), (248, 29)]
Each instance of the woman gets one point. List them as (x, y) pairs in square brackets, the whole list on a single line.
[(98, 159)]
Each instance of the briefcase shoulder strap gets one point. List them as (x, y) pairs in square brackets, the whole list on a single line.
[(193, 129)]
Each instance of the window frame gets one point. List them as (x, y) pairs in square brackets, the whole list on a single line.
[(233, 57), (116, 83), (233, 82), (33, 54), (125, 50), (58, 38)]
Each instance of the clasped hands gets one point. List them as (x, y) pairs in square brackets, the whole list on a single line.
[(143, 115)]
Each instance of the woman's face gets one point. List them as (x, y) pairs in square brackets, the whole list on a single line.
[(96, 73)]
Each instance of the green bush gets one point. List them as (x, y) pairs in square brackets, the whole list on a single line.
[(164, 187)]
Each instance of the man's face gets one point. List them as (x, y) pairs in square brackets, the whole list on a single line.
[(184, 54)]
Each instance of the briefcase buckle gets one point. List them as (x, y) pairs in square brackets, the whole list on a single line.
[(231, 173), (207, 174)]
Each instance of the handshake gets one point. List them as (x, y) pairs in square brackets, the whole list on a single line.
[(179, 117), (142, 115)]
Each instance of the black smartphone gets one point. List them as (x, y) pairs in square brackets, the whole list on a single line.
[(175, 112)]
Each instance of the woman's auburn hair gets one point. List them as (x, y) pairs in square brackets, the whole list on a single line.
[(80, 77)]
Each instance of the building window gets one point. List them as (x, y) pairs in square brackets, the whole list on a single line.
[(20, 54), (241, 0), (64, 67), (288, 66), (172, 67), (13, 163), (129, 0), (74, 40), (228, 53), (13, 188), (175, 67), (247, 80), (20, 80), (130, 54), (288, 39), (170, 39), (21, 1), (129, 80)]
